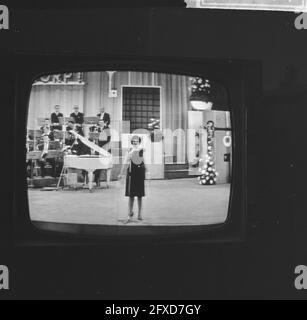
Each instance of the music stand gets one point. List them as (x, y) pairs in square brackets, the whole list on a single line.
[(91, 120), (68, 119), (94, 135)]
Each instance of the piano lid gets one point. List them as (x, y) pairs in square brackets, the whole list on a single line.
[(91, 145)]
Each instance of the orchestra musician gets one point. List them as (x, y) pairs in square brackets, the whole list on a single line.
[(70, 138), (44, 146), (82, 149), (104, 136), (29, 148), (55, 119), (78, 119), (46, 126), (104, 116), (77, 147), (46, 130)]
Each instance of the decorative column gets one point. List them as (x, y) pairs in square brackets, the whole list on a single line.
[(208, 173)]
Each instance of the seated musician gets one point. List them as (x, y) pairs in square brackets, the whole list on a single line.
[(71, 141), (44, 146), (46, 127), (104, 141), (104, 136), (87, 147), (29, 147), (82, 149), (55, 119), (78, 118), (70, 138), (46, 130)]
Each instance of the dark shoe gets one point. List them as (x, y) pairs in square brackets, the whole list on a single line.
[(128, 221)]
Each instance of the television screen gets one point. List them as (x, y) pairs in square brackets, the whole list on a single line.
[(128, 149)]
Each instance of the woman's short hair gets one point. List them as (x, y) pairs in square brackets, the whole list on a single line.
[(136, 138)]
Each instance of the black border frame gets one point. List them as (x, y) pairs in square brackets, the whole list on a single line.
[(238, 76)]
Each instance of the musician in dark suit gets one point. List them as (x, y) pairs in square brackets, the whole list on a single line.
[(46, 125), (44, 146), (78, 119), (77, 116), (104, 136), (55, 119), (29, 148), (103, 116), (69, 137)]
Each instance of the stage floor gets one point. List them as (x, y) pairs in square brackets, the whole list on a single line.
[(167, 202)]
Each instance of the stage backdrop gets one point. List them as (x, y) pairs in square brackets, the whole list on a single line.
[(95, 89)]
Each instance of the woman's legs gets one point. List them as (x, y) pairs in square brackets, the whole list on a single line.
[(131, 203), (140, 208)]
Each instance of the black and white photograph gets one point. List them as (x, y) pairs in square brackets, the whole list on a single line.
[(153, 153)]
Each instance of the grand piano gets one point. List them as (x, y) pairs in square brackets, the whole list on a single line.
[(90, 163)]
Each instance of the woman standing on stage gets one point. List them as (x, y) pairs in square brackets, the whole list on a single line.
[(135, 179)]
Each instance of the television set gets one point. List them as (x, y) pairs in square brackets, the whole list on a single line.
[(195, 154)]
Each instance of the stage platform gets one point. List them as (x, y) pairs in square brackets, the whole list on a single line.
[(167, 202)]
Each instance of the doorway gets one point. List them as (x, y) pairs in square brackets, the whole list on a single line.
[(142, 110)]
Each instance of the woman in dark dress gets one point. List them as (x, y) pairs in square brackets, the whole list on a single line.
[(135, 178)]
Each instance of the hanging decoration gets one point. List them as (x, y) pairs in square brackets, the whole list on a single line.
[(201, 94)]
